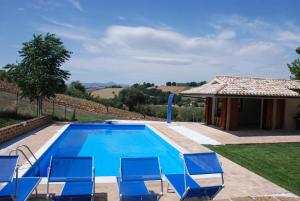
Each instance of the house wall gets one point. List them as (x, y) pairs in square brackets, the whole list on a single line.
[(290, 112)]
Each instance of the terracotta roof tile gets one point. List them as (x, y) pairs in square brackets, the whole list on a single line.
[(247, 86)]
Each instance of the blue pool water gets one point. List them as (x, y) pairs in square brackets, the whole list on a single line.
[(107, 144)]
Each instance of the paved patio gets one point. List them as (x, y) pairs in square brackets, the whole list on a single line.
[(247, 136), (240, 183)]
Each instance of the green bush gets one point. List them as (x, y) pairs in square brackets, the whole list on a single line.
[(190, 114), (178, 113)]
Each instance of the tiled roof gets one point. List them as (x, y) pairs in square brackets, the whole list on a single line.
[(247, 86)]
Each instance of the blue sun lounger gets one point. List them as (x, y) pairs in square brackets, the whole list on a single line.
[(18, 189), (77, 173), (197, 164), (133, 174)]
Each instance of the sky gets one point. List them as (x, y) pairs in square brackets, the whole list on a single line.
[(134, 41)]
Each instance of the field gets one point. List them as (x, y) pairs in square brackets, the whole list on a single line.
[(278, 163), (107, 93), (173, 89)]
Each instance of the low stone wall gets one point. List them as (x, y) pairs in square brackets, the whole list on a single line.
[(15, 130)]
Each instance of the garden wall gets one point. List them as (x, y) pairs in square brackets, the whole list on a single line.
[(15, 130)]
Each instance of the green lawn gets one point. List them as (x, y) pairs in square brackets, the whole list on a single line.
[(279, 163), (82, 116)]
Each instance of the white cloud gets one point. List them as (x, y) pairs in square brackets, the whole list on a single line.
[(56, 22), (47, 5), (260, 50), (76, 5), (121, 18), (64, 33), (130, 54), (245, 23), (163, 60), (289, 36), (151, 42)]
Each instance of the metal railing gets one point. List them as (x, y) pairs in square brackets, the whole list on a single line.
[(19, 150)]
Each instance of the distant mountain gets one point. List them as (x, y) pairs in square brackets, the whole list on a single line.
[(99, 85)]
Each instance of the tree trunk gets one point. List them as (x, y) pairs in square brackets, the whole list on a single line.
[(37, 107), (17, 103), (39, 104)]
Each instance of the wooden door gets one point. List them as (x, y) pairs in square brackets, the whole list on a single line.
[(280, 113), (208, 110), (267, 114), (223, 113)]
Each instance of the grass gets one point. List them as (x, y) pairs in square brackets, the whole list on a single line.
[(8, 121), (279, 163), (82, 116), (27, 109), (9, 118)]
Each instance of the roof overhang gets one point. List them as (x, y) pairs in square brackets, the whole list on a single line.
[(238, 96)]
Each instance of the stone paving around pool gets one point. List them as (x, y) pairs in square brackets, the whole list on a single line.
[(244, 136), (240, 183)]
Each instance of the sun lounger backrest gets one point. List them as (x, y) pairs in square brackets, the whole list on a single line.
[(140, 169), (8, 166), (202, 163), (73, 169)]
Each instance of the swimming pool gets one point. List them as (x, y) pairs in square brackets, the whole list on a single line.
[(107, 144)]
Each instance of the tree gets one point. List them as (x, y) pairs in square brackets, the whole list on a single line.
[(38, 74), (294, 67), (298, 50), (78, 86), (169, 83), (131, 97), (106, 102), (3, 75)]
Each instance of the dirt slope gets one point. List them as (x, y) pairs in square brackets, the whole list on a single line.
[(86, 105)]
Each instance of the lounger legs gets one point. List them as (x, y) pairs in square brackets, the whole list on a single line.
[(162, 187)]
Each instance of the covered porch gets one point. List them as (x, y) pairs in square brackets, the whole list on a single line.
[(234, 102), (234, 113)]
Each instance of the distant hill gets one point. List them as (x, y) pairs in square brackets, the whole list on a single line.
[(106, 93), (100, 85)]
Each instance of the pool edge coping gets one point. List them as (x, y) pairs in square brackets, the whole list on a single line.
[(26, 166), (98, 179)]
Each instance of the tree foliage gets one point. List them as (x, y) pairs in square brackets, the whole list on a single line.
[(3, 75), (78, 86), (38, 74), (298, 50), (294, 67), (186, 84), (131, 97)]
